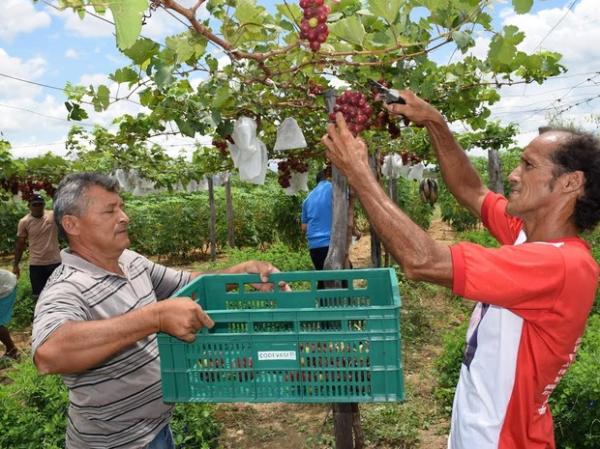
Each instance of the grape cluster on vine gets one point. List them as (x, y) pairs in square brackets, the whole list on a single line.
[(356, 110), (27, 187), (285, 169), (221, 145), (314, 23)]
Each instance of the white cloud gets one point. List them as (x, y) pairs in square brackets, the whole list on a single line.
[(571, 33), (89, 26), (20, 16), (11, 89), (71, 54)]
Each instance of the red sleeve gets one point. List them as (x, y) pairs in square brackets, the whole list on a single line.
[(504, 227), (522, 278)]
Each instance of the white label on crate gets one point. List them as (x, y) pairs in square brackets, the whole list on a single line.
[(276, 355)]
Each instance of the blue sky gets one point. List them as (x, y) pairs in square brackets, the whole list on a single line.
[(45, 46)]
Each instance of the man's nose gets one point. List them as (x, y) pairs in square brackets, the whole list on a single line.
[(514, 175), (124, 218)]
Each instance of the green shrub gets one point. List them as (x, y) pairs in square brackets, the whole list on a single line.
[(448, 365), (194, 426), (24, 304), (391, 425), (479, 236), (575, 403), (280, 255), (178, 225), (33, 413), (410, 202), (458, 217), (32, 409), (12, 212)]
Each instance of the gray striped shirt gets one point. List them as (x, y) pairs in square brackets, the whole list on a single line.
[(117, 404)]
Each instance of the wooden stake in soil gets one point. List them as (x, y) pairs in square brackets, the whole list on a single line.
[(343, 417), (213, 219)]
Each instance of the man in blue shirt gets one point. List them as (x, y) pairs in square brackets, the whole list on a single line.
[(316, 219)]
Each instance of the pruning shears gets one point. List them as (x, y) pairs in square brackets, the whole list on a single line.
[(390, 95)]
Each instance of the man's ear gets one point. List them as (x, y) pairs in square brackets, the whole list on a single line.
[(70, 224), (573, 181)]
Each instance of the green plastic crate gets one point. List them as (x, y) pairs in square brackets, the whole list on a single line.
[(309, 345)]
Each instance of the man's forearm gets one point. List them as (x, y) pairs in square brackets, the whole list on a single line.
[(460, 176), (80, 345), (19, 249), (420, 256)]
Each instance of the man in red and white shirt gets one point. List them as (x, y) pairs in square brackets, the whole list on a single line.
[(533, 294)]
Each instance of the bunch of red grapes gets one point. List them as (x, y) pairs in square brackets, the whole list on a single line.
[(409, 158), (221, 145), (26, 187), (356, 111), (286, 168), (315, 89), (314, 23)]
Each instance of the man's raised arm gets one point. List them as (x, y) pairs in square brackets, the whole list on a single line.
[(460, 176)]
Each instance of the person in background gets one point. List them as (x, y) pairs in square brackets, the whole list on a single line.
[(8, 293), (39, 230), (96, 321), (533, 294), (316, 218)]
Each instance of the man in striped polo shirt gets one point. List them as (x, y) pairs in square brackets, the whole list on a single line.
[(95, 321)]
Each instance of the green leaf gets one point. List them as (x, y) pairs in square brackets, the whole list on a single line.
[(186, 45), (247, 11), (75, 111), (128, 16), (142, 50), (290, 11), (522, 6), (349, 29), (75, 93), (463, 40), (185, 127), (124, 75), (503, 47), (388, 9), (221, 96), (164, 75), (102, 98)]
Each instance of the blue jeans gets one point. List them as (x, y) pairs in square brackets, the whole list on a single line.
[(163, 440)]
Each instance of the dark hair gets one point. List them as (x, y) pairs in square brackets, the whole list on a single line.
[(70, 197), (581, 152), (322, 175)]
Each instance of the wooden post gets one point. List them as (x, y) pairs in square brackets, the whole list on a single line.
[(230, 218), (495, 182), (393, 194), (336, 258), (212, 226), (375, 242)]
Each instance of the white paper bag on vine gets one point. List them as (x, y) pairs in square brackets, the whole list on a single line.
[(416, 172), (289, 136), (298, 183), (249, 154), (392, 166)]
